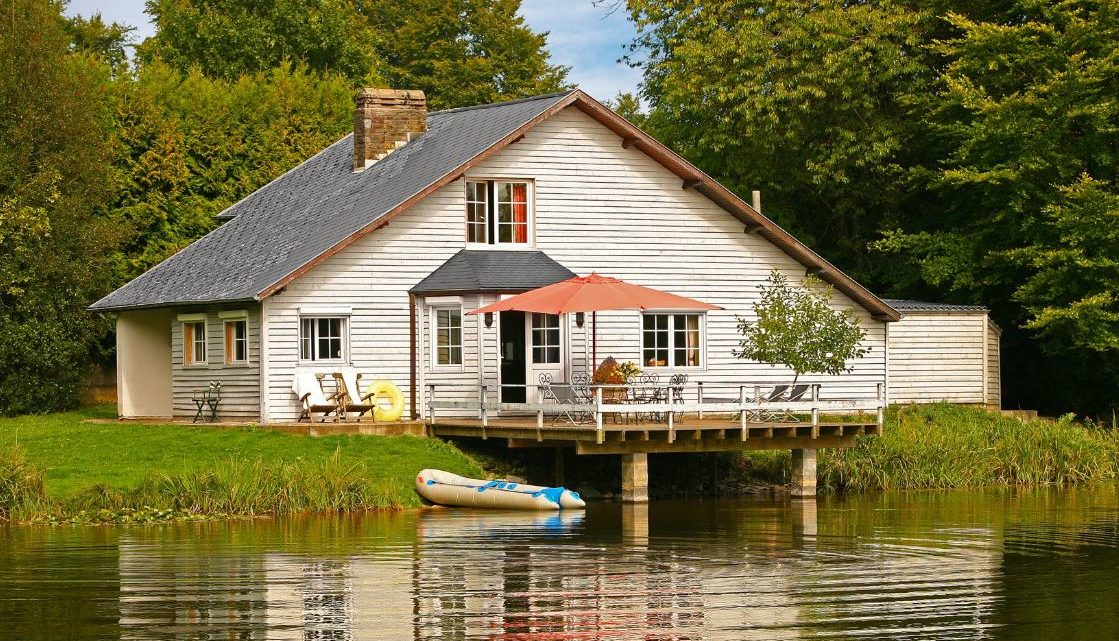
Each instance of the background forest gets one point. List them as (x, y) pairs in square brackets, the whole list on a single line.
[(957, 151)]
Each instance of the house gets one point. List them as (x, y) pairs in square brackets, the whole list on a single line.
[(369, 255), (940, 352)]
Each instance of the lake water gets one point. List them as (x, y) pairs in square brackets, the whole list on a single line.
[(1024, 565)]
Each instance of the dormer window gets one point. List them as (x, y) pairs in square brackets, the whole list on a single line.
[(498, 212)]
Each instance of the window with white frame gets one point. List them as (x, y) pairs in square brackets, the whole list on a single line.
[(672, 340), (447, 328), (237, 341), (322, 338), (498, 212), (194, 343), (545, 338)]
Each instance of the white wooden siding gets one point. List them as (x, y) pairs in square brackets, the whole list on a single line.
[(598, 207), (939, 356), (994, 366), (240, 389)]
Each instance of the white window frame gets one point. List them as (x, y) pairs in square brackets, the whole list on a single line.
[(434, 338), (189, 347), (492, 224), (532, 330), (314, 339), (671, 365), (231, 358)]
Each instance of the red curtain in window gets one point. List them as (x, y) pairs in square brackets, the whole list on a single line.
[(520, 212)]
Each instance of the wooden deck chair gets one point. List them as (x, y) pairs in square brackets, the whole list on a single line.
[(795, 393), (308, 388), (350, 383)]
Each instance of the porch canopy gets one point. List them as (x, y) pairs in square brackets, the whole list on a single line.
[(593, 294)]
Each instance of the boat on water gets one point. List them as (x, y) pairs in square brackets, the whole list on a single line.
[(445, 488)]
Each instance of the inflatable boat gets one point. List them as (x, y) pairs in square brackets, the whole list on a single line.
[(444, 488)]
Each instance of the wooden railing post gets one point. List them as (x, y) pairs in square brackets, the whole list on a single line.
[(815, 410), (742, 411), (485, 414), (598, 414), (540, 408), (699, 396), (881, 408)]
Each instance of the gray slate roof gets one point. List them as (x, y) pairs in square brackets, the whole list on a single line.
[(903, 305), (493, 271), (311, 208)]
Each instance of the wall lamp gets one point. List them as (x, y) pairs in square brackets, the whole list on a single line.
[(580, 318), (488, 316)]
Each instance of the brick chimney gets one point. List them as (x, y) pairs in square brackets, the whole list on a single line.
[(384, 120)]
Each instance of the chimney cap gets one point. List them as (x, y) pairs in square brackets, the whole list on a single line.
[(383, 97)]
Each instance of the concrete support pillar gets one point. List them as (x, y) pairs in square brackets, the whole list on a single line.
[(804, 474), (635, 478)]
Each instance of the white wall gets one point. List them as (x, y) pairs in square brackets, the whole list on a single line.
[(144, 363), (938, 356), (598, 207)]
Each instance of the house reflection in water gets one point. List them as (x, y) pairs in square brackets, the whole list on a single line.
[(769, 572)]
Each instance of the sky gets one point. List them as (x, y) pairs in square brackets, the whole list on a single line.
[(587, 38)]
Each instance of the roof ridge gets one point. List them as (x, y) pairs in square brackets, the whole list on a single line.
[(503, 104)]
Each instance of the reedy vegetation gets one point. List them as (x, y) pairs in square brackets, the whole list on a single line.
[(227, 488), (944, 446)]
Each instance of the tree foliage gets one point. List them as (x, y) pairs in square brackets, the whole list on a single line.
[(229, 38), (193, 145), (462, 52), (56, 148), (796, 327), (971, 146)]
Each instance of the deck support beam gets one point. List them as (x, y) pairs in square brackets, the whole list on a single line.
[(804, 474), (635, 478)]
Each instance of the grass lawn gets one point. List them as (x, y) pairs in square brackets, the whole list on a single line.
[(76, 455)]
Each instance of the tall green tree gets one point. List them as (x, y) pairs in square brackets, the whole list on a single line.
[(56, 150), (460, 52), (193, 145), (800, 100), (229, 38), (1025, 120)]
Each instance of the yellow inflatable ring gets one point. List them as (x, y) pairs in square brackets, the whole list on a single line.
[(385, 389)]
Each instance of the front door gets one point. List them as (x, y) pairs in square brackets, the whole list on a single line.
[(513, 353), (545, 350)]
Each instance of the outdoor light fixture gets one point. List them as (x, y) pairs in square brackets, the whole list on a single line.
[(580, 318), (489, 319)]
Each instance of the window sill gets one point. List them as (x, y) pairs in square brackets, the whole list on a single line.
[(238, 365), (500, 247), (447, 369)]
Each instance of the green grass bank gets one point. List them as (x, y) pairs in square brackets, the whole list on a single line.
[(942, 446), (56, 467)]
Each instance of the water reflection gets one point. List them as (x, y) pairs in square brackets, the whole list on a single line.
[(1036, 565)]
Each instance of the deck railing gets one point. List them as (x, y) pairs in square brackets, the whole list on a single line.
[(751, 404)]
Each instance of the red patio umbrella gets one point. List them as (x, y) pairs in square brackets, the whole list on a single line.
[(593, 293)]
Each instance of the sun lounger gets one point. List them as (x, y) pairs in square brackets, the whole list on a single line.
[(350, 382), (308, 388)]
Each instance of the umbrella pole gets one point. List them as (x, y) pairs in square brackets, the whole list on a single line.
[(594, 341)]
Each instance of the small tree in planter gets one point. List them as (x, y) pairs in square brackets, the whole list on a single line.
[(796, 327)]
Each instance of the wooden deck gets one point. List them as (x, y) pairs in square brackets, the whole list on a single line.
[(687, 434)]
